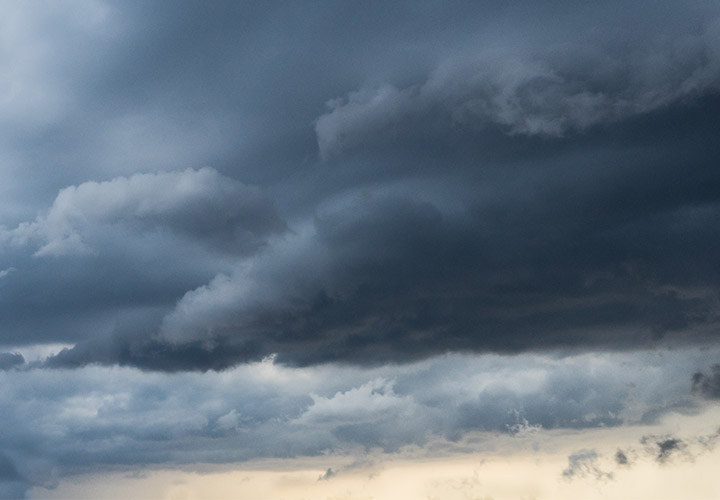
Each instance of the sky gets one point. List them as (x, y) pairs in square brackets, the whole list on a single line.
[(377, 250)]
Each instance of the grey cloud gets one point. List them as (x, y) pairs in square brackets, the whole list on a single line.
[(12, 484), (117, 254), (73, 420), (396, 280), (584, 464), (387, 183), (667, 447), (584, 248), (532, 191), (707, 385), (560, 90), (662, 450), (621, 458), (328, 474), (199, 203), (10, 359)]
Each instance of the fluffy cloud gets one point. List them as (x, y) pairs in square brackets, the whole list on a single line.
[(200, 204), (131, 246), (392, 279)]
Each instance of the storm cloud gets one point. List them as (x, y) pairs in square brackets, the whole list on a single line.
[(471, 218), (500, 191)]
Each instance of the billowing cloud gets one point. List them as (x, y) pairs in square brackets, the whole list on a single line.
[(511, 190), (558, 90), (112, 253), (200, 204), (255, 231)]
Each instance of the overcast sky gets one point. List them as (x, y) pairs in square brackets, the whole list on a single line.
[(239, 231)]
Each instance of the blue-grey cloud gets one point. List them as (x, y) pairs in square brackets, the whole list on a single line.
[(484, 178), (707, 385), (357, 190), (60, 422), (201, 204), (10, 359)]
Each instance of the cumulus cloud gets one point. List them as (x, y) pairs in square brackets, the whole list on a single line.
[(200, 204), (121, 250)]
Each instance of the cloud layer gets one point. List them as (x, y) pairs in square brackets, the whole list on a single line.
[(502, 190), (239, 231), (62, 422)]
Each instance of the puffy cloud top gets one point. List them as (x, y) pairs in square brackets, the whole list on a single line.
[(200, 204)]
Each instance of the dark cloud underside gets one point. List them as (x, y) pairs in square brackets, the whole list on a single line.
[(242, 180)]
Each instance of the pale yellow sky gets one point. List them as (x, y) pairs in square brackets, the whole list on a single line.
[(523, 467)]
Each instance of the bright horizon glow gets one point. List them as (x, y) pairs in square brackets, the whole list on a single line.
[(522, 467)]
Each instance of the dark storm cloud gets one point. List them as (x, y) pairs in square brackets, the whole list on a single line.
[(148, 237), (200, 187), (384, 278), (476, 178)]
